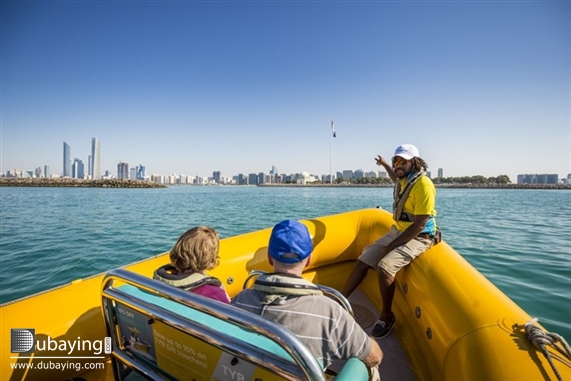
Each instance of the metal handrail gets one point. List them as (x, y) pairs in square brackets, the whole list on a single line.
[(306, 362)]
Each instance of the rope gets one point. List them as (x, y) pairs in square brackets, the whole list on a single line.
[(540, 338)]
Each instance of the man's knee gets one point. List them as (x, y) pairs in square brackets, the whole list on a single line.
[(385, 272), (362, 266)]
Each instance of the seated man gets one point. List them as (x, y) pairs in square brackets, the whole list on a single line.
[(284, 297)]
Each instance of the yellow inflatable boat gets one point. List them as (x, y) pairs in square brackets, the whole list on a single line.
[(452, 323)]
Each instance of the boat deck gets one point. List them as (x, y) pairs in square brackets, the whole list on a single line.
[(394, 366)]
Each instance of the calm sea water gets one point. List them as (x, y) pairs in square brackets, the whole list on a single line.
[(519, 239)]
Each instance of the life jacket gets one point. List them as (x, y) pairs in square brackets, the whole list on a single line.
[(400, 197), (168, 274), (273, 286)]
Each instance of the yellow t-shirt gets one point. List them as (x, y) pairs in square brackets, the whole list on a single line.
[(421, 201)]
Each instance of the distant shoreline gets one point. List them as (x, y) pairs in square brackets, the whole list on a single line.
[(116, 183), (77, 183), (455, 186)]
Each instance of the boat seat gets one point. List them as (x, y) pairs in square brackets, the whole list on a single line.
[(330, 292), (161, 332)]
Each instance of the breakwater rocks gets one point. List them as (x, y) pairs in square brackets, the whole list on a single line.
[(103, 183), (505, 186), (459, 186)]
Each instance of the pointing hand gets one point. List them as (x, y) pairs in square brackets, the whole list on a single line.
[(380, 161)]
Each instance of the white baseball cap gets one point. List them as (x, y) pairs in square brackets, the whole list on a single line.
[(407, 151)]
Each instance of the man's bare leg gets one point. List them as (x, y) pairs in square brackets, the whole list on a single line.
[(355, 279), (387, 319), (387, 287)]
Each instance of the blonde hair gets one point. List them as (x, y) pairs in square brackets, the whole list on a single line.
[(196, 250)]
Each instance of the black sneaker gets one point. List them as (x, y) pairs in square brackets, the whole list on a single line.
[(383, 328)]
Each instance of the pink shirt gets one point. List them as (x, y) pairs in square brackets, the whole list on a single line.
[(213, 292)]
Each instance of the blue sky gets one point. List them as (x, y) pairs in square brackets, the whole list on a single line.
[(482, 88)]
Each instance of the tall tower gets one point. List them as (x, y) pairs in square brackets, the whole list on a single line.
[(66, 160), (141, 172), (216, 177), (77, 169), (95, 157), (123, 171)]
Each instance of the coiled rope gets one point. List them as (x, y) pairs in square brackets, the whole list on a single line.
[(540, 338)]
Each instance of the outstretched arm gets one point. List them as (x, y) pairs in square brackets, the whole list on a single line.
[(382, 162)]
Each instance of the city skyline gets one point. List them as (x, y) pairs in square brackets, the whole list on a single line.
[(236, 87), (75, 168)]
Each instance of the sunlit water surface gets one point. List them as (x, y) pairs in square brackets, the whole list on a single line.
[(519, 239)]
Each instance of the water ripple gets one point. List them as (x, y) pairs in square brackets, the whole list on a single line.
[(519, 239)]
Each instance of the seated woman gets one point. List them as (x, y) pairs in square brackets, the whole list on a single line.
[(195, 252)]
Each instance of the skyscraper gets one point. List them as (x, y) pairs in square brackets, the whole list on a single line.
[(141, 172), (95, 157), (216, 177), (90, 167), (66, 160), (77, 169), (123, 171)]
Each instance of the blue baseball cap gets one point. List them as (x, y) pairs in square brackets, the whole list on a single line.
[(290, 237)]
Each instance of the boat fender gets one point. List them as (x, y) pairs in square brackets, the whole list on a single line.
[(169, 275)]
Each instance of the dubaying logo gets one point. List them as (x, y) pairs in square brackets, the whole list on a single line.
[(22, 340)]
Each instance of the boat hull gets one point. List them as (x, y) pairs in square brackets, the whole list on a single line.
[(451, 321)]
